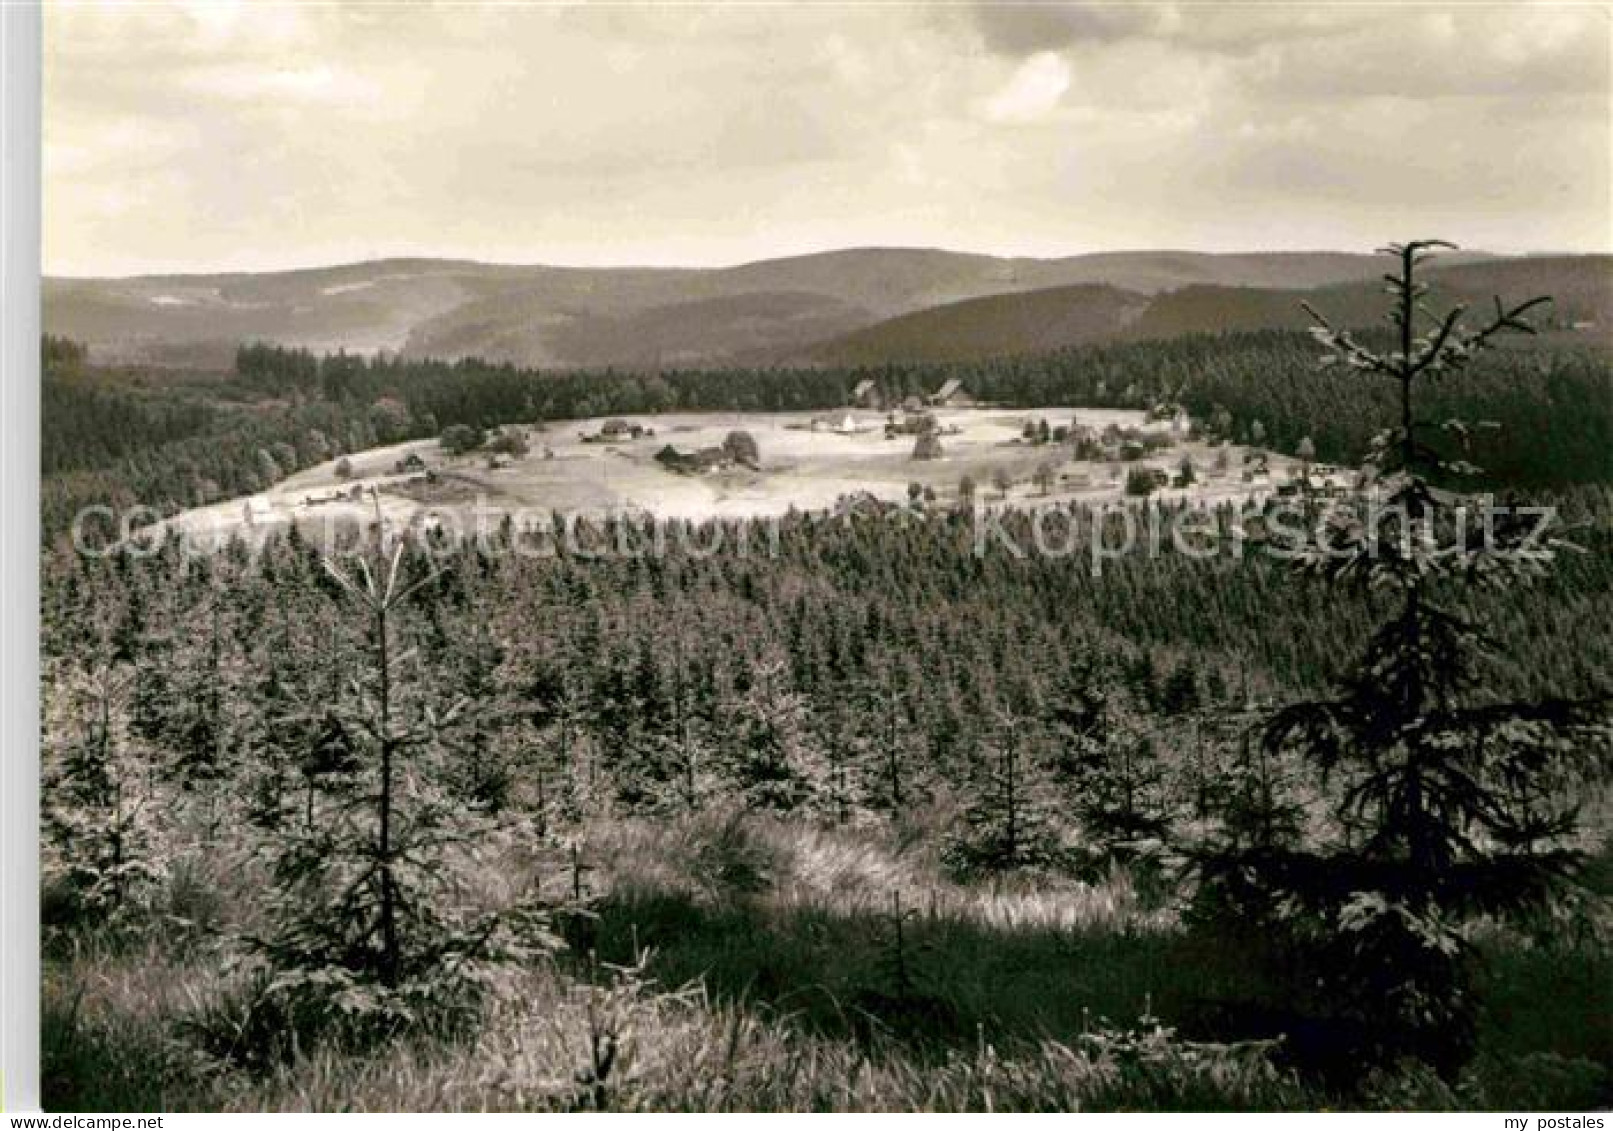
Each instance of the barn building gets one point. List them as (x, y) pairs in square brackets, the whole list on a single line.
[(952, 394)]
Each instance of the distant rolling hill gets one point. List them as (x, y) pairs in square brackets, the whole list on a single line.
[(573, 317), (1581, 288), (664, 336), (994, 326), (365, 307)]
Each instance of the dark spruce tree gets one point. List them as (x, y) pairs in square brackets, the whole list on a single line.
[(770, 754), (1007, 826), (98, 852), (1110, 764), (1443, 803), (370, 930)]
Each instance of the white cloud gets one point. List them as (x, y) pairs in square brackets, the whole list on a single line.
[(285, 134), (259, 84), (1033, 91)]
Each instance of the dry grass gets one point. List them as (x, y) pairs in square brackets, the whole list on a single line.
[(851, 871), (679, 1051), (765, 991)]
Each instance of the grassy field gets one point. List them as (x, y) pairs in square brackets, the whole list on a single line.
[(800, 468), (747, 963)]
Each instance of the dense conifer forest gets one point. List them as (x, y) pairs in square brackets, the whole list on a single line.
[(855, 811)]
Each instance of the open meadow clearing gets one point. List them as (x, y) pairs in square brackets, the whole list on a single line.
[(807, 462)]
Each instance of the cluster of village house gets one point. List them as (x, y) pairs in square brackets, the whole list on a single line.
[(916, 418)]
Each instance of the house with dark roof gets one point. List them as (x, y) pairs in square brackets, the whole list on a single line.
[(865, 394), (702, 460), (951, 394)]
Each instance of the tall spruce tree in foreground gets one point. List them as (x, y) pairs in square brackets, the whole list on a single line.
[(1445, 804), (373, 923)]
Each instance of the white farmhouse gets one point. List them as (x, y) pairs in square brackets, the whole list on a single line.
[(257, 509)]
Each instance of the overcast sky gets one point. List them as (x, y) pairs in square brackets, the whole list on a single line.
[(249, 135)]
